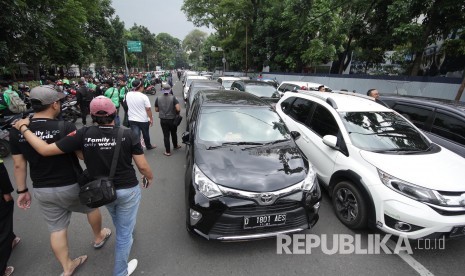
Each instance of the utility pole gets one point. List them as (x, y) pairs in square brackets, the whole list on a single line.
[(246, 60), (125, 62)]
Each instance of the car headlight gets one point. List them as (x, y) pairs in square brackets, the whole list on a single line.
[(207, 187), (415, 192), (310, 179)]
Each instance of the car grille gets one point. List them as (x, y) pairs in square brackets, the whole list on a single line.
[(256, 210), (232, 220)]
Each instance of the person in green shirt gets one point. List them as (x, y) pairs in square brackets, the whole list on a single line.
[(113, 94)]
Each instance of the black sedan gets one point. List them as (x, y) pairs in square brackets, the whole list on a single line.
[(245, 177)]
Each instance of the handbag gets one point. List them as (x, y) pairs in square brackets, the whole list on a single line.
[(177, 120), (101, 191)]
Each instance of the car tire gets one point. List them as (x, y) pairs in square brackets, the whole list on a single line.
[(350, 205)]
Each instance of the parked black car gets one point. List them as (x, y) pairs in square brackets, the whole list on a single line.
[(245, 177), (264, 90), (443, 121)]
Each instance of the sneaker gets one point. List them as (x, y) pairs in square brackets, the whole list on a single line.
[(132, 266)]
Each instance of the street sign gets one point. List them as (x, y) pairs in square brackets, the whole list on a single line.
[(134, 46)]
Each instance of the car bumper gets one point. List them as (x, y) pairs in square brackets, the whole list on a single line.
[(396, 210), (223, 218)]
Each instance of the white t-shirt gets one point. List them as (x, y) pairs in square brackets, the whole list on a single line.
[(137, 102)]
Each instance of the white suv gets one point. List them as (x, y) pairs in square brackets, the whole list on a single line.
[(379, 169)]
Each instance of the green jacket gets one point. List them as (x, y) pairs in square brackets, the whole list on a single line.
[(113, 94)]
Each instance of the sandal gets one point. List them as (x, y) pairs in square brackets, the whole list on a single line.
[(102, 243), (178, 147), (8, 271), (81, 259), (167, 154), (15, 242)]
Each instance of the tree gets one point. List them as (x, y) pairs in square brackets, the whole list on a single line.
[(424, 22)]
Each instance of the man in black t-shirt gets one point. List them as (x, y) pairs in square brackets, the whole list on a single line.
[(98, 144), (84, 96), (54, 178)]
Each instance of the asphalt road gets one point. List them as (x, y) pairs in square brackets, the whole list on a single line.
[(163, 247)]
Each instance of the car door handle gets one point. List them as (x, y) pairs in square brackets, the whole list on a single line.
[(306, 139)]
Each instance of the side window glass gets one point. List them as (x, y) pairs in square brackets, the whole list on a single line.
[(282, 88), (300, 110), (285, 105), (323, 122), (417, 115), (449, 127), (219, 80)]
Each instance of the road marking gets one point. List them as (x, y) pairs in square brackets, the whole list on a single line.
[(423, 271)]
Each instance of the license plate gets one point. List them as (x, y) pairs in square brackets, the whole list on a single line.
[(264, 221), (457, 231)]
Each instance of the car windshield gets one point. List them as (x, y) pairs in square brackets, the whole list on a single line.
[(241, 124), (261, 90), (383, 131)]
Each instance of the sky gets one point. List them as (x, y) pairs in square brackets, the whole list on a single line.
[(159, 16)]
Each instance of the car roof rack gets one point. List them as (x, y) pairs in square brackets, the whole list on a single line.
[(353, 94)]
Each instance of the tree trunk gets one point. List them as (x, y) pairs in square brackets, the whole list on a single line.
[(341, 61)]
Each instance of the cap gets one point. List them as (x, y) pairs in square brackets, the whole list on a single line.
[(102, 106), (166, 88), (46, 94)]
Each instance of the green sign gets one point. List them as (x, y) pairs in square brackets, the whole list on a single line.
[(134, 46)]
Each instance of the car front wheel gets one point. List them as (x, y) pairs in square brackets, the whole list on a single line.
[(350, 205)]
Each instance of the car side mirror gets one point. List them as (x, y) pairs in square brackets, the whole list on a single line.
[(186, 138), (330, 141), (295, 134)]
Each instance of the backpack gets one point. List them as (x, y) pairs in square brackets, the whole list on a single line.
[(16, 104)]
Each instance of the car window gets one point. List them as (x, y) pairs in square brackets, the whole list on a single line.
[(232, 124), (417, 115), (285, 105), (449, 127), (323, 122), (300, 109), (282, 87)]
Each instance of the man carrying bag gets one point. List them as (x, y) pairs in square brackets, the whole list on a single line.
[(98, 144)]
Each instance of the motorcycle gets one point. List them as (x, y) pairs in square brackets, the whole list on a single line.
[(5, 126), (70, 111)]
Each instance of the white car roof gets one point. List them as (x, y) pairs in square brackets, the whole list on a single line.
[(196, 78), (229, 78), (345, 101)]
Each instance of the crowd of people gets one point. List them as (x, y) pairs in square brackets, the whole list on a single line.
[(51, 148)]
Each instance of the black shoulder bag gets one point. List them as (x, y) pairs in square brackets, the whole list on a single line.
[(102, 191)]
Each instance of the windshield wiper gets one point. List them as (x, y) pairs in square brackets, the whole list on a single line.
[(234, 144), (268, 143), (404, 151)]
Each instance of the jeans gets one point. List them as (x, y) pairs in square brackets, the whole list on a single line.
[(138, 127), (123, 212), (168, 127)]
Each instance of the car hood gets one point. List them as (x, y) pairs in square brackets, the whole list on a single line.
[(257, 169), (442, 171)]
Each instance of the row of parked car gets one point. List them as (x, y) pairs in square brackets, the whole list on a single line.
[(254, 170)]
